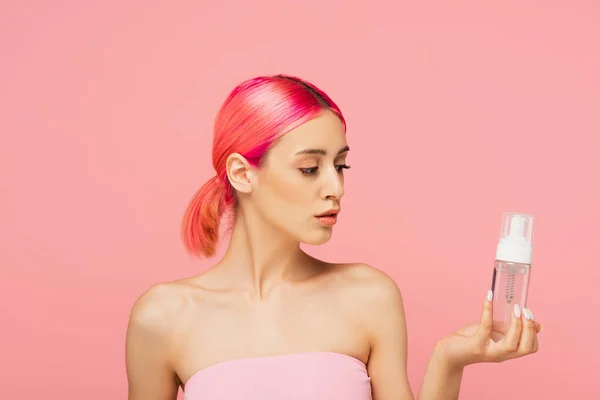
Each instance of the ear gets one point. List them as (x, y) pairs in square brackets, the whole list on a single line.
[(240, 173)]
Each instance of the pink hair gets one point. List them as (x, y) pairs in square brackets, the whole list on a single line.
[(254, 115)]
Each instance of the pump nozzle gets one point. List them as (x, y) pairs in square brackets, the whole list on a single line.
[(517, 226), (516, 238)]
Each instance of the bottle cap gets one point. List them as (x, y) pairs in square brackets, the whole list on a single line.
[(516, 238)]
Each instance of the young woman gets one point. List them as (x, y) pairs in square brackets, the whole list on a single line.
[(268, 321)]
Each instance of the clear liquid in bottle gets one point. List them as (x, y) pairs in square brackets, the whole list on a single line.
[(510, 281)]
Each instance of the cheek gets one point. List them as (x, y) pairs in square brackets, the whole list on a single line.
[(286, 192)]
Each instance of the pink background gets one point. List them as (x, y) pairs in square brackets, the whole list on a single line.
[(457, 112)]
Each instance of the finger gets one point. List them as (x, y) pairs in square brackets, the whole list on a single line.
[(511, 340), (485, 324), (528, 334), (538, 327), (498, 326)]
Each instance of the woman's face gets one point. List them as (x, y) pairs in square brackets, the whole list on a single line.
[(302, 179)]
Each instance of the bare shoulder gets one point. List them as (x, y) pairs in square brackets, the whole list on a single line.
[(373, 285), (151, 340), (374, 297), (160, 308), (379, 305)]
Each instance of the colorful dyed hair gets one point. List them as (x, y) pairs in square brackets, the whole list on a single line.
[(254, 115)]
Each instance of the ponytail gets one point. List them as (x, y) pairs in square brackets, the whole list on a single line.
[(200, 227)]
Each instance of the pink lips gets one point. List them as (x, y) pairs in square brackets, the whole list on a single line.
[(329, 217), (328, 220)]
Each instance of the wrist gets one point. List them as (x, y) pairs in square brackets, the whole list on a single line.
[(442, 357), (442, 376)]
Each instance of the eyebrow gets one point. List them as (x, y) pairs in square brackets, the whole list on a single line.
[(322, 151)]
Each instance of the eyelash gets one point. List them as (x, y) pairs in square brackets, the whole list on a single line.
[(313, 170)]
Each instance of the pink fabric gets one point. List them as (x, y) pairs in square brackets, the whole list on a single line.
[(297, 376)]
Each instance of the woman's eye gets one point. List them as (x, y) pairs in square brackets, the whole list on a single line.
[(309, 171), (313, 170)]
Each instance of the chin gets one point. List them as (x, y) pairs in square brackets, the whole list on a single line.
[(317, 238)]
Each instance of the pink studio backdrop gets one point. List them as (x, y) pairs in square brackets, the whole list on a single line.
[(457, 112)]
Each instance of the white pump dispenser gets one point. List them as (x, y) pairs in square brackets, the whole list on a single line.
[(515, 244), (510, 281)]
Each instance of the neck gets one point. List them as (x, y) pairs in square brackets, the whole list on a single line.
[(259, 257)]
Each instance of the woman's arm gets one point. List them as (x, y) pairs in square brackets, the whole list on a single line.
[(477, 343), (387, 364), (471, 344), (388, 361), (149, 374), (441, 380)]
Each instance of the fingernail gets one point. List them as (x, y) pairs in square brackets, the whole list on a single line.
[(531, 315), (517, 311), (490, 295), (527, 314)]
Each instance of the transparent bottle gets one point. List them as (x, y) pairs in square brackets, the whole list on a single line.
[(512, 268)]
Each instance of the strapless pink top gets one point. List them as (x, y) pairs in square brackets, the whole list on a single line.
[(298, 376)]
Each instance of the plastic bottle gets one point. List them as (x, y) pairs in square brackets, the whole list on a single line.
[(512, 268)]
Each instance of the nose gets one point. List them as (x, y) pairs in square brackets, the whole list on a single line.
[(333, 187)]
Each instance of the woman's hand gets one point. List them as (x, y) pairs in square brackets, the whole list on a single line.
[(486, 342)]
